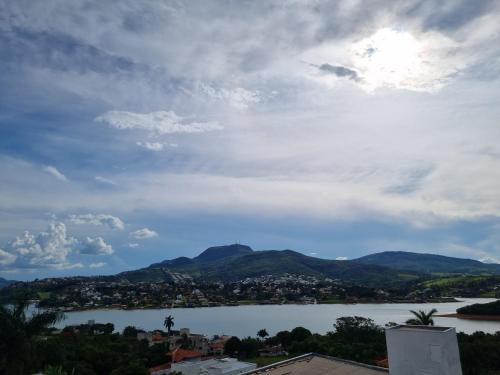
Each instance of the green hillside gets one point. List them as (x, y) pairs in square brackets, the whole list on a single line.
[(430, 263), (236, 262)]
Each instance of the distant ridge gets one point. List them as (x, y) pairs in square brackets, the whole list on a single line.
[(218, 252), (237, 262), (4, 282), (429, 263)]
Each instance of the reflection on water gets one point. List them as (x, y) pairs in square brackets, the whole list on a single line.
[(247, 320)]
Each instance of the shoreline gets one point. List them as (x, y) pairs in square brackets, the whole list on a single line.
[(487, 318), (397, 302)]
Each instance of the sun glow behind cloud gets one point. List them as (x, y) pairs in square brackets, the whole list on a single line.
[(399, 59)]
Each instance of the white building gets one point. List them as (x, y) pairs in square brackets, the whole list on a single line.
[(423, 350), (225, 366)]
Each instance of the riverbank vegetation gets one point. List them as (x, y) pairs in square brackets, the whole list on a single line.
[(489, 309)]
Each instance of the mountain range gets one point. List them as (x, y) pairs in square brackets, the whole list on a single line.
[(236, 262), (429, 263)]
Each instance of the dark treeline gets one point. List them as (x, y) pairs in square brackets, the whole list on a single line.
[(492, 308), (360, 339)]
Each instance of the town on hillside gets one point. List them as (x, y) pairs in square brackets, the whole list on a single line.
[(75, 293)]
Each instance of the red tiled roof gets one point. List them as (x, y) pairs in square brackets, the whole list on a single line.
[(217, 345), (383, 363), (179, 354)]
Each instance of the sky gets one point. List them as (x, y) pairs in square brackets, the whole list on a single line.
[(133, 132)]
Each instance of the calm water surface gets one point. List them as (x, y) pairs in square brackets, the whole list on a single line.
[(247, 320)]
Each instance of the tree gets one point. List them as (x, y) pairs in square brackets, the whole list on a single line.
[(232, 346), (169, 323), (299, 334), (19, 332), (422, 318), (134, 368), (355, 328), (58, 370), (262, 333), (130, 331), (284, 338)]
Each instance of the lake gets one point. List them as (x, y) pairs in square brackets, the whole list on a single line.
[(247, 320)]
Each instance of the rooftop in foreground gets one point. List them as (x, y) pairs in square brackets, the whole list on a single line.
[(318, 364), (421, 328)]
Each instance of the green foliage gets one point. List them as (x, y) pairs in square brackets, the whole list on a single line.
[(19, 333), (232, 346), (56, 370), (249, 347), (130, 331), (133, 368), (492, 308), (479, 353), (299, 334), (422, 318), (356, 328), (262, 333), (169, 323)]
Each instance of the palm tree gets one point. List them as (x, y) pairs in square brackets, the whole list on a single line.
[(168, 323), (422, 318), (262, 333), (19, 332)]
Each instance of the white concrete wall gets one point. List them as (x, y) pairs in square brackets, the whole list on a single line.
[(420, 350)]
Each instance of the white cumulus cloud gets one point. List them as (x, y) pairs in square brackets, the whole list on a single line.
[(46, 249), (143, 233), (489, 260), (112, 222), (6, 258), (95, 246), (51, 248)]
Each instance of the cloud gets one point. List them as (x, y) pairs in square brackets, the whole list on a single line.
[(112, 222), (97, 265), (238, 98), (143, 233), (54, 172), (95, 246), (153, 146), (157, 123), (47, 249), (133, 245), (6, 258), (340, 71), (313, 254), (341, 258), (51, 248), (104, 180), (489, 260)]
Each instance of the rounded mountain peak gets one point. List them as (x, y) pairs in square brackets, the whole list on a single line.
[(219, 252)]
